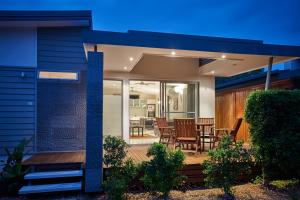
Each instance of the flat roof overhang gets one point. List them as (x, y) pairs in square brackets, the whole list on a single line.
[(45, 18), (241, 55)]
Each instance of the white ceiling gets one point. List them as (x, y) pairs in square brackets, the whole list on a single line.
[(117, 58)]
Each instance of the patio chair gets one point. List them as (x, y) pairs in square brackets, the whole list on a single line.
[(186, 133), (166, 132), (232, 132), (208, 136)]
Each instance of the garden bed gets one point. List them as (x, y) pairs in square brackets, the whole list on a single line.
[(247, 191)]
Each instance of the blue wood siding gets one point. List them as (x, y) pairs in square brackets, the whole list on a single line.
[(61, 49), (61, 104), (17, 106)]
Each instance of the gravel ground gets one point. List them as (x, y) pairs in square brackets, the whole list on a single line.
[(242, 192)]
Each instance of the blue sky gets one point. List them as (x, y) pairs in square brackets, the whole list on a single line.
[(270, 20), (273, 21)]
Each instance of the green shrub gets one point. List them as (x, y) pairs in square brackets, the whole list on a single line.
[(161, 172), (121, 172), (274, 118), (227, 162), (284, 184), (12, 175)]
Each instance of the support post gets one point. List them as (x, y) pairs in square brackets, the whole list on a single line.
[(94, 117), (268, 79)]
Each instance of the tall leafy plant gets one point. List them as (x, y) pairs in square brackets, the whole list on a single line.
[(12, 175), (226, 163), (161, 172), (274, 119)]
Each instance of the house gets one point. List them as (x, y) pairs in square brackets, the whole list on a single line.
[(65, 86)]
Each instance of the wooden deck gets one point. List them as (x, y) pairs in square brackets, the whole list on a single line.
[(136, 152), (75, 160)]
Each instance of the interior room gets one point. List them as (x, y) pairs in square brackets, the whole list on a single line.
[(144, 106)]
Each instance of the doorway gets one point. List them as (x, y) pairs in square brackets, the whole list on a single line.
[(144, 106)]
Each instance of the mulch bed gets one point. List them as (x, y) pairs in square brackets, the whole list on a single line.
[(247, 191)]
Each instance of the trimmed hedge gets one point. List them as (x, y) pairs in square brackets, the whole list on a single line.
[(274, 118)]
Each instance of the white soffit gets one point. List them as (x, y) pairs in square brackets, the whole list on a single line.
[(117, 58)]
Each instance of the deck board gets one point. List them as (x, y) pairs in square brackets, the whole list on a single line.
[(136, 152)]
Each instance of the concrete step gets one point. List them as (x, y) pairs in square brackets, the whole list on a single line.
[(32, 189), (53, 174)]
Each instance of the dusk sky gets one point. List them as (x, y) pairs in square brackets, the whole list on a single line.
[(274, 21)]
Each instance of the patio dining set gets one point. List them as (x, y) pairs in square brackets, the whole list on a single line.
[(191, 134)]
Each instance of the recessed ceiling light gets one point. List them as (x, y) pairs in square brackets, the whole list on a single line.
[(173, 53), (125, 68), (223, 56), (213, 72), (131, 58)]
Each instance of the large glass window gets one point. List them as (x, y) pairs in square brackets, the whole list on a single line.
[(112, 108), (179, 100)]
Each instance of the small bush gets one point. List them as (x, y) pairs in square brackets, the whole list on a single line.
[(161, 172), (121, 172), (227, 162), (284, 184), (12, 175), (274, 119)]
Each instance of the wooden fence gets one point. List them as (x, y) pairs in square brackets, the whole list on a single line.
[(230, 105)]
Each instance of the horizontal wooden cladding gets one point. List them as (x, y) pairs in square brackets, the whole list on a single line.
[(17, 114), (230, 105), (16, 79), (16, 132), (16, 85), (16, 103), (16, 120), (20, 126), (13, 73), (63, 66), (60, 48), (62, 59), (17, 106), (17, 91), (49, 53)]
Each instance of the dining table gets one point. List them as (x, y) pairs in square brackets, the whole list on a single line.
[(202, 131)]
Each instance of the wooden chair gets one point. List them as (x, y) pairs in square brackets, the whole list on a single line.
[(185, 133), (232, 132), (136, 125), (209, 135), (166, 132)]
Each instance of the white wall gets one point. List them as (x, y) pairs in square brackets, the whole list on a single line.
[(207, 96), (18, 47)]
